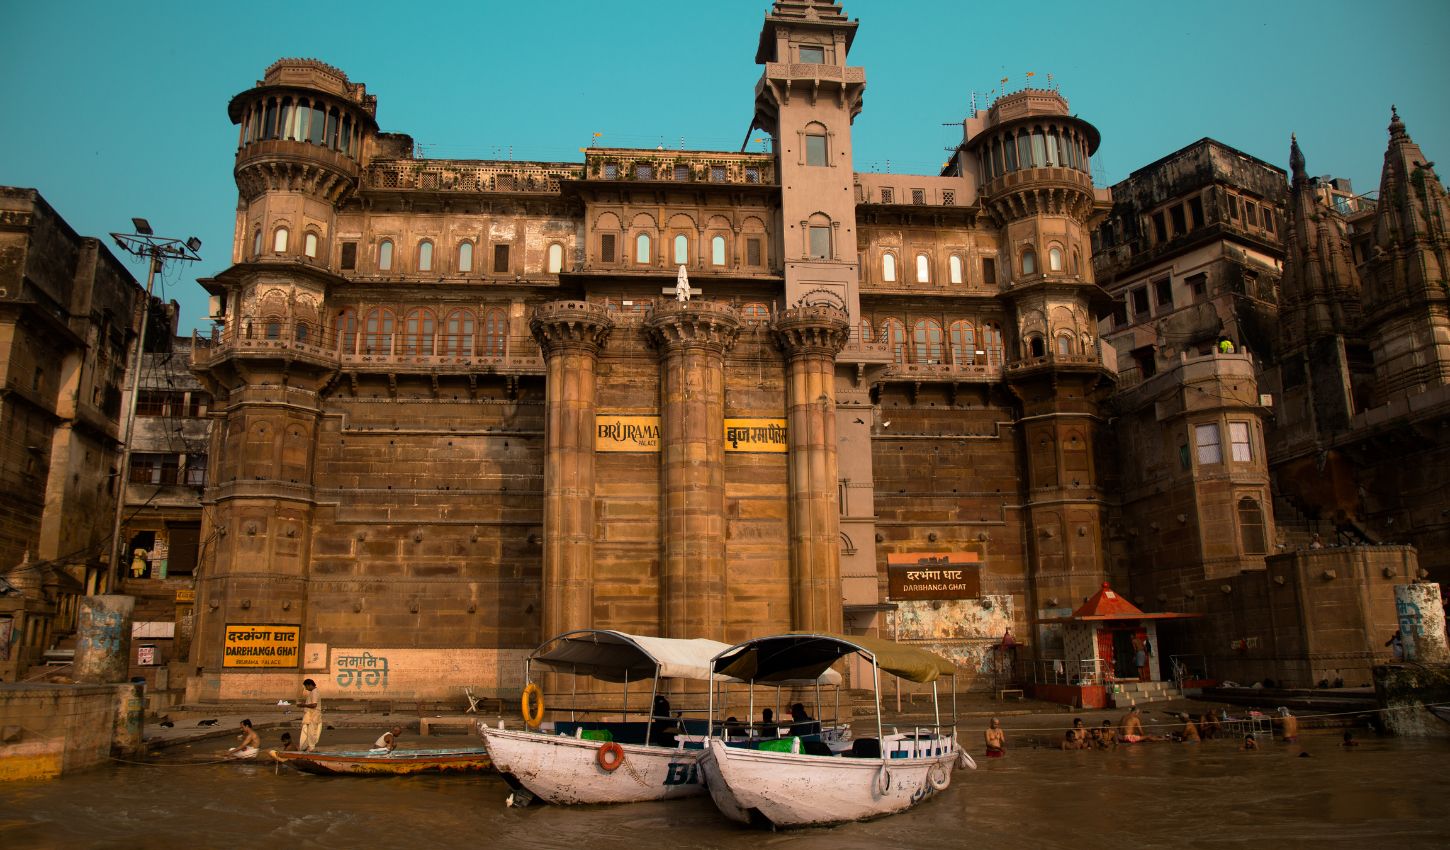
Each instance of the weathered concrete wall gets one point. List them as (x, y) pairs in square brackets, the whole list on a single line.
[(64, 728), (1405, 690), (103, 639), (1422, 622)]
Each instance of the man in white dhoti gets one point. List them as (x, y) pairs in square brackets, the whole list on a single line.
[(311, 705)]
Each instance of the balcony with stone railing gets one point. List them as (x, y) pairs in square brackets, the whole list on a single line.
[(707, 167), (789, 71), (392, 352), (459, 175)]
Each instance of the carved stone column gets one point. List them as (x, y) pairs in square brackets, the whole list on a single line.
[(693, 337), (571, 334), (811, 338)]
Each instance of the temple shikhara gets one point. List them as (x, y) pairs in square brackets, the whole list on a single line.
[(457, 407)]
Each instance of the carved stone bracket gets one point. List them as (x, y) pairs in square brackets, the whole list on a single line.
[(817, 329), (558, 325), (693, 324)]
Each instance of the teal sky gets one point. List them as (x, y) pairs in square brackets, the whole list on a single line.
[(119, 110)]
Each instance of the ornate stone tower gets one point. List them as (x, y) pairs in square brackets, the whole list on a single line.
[(1318, 306), (1406, 299), (807, 99), (1037, 187), (304, 130)]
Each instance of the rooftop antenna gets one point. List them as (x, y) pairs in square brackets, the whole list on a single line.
[(682, 143)]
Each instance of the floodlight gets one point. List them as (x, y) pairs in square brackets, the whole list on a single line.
[(143, 227)]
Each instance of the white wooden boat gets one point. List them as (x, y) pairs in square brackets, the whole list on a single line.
[(566, 770), (622, 761), (881, 776)]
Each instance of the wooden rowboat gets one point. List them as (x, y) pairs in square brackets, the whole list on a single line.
[(396, 763)]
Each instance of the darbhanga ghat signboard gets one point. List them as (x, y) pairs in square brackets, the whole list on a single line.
[(934, 575), (261, 646), (614, 432)]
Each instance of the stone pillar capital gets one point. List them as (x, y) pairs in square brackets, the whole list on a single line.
[(560, 325), (812, 330), (709, 325)]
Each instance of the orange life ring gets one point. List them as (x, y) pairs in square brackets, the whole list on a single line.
[(610, 756), (533, 718)]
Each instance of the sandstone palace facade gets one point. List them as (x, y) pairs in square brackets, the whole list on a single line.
[(460, 406)]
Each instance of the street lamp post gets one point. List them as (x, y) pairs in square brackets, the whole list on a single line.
[(157, 250)]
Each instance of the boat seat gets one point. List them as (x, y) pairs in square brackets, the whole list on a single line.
[(815, 748), (865, 748)]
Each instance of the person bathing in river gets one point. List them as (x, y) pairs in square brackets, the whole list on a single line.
[(1107, 736), (388, 740), (1209, 726), (249, 745), (996, 739), (1189, 733), (1290, 724), (1132, 724), (1079, 735)]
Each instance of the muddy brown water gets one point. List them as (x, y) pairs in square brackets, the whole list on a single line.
[(1385, 793)]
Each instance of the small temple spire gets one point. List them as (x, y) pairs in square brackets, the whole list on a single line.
[(1296, 160)]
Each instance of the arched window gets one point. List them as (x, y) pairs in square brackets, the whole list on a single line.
[(418, 329), (1251, 526), (888, 267), (893, 332), (279, 241), (556, 258), (1029, 261), (378, 327), (1064, 345), (867, 333), (954, 268), (1076, 262), (717, 251), (755, 312), (457, 338), (641, 249), (465, 257), (257, 242), (344, 327), (818, 237), (425, 256), (1054, 259), (926, 341), (309, 244), (1036, 347), (385, 255), (992, 343), (923, 268), (495, 332), (816, 145), (964, 343), (682, 250)]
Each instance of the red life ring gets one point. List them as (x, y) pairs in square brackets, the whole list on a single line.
[(610, 756)]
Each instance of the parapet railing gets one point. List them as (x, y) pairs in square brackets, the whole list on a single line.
[(359, 348)]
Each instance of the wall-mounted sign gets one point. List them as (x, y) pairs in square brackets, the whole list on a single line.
[(261, 646), (617, 433), (934, 575), (755, 435), (185, 596)]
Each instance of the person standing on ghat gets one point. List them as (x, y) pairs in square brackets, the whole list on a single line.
[(311, 705), (996, 740)]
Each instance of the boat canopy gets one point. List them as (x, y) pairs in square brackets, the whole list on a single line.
[(803, 655), (615, 656)]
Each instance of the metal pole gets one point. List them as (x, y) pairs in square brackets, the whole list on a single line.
[(130, 421)]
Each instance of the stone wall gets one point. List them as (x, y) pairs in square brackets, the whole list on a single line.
[(63, 728)]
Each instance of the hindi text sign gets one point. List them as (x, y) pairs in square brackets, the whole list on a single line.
[(253, 645), (756, 435), (934, 575)]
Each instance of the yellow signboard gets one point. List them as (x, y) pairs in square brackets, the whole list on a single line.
[(617, 433), (261, 646), (186, 594), (755, 435)]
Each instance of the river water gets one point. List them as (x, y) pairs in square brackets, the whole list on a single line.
[(1384, 793)]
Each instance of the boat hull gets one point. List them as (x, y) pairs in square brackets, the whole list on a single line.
[(795, 790), (397, 763), (566, 771)]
